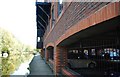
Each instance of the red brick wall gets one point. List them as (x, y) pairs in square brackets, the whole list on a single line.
[(78, 12), (56, 60), (106, 13), (47, 54), (69, 73), (60, 58), (76, 17)]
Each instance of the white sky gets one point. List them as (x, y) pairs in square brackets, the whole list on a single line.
[(19, 17)]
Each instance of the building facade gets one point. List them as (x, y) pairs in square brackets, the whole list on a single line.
[(68, 28)]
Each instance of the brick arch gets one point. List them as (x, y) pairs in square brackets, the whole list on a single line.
[(50, 44), (92, 20)]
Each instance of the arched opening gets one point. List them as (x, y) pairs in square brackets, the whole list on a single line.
[(50, 50), (95, 50), (99, 53), (50, 56)]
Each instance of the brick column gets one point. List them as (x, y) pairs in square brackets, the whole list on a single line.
[(60, 57), (64, 57), (46, 54)]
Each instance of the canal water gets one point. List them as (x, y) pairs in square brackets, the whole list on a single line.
[(12, 63)]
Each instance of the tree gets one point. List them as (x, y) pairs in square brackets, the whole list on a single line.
[(18, 52), (6, 41)]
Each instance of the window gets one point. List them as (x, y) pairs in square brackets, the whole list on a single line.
[(53, 17), (60, 7)]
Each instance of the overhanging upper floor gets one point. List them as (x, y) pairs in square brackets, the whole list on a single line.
[(82, 17), (42, 18)]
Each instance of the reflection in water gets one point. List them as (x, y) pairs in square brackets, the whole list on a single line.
[(11, 63)]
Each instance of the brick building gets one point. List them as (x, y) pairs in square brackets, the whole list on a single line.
[(65, 26)]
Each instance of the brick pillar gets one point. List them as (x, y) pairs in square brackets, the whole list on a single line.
[(63, 56), (46, 54), (60, 59)]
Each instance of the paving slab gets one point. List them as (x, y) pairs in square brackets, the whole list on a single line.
[(39, 68)]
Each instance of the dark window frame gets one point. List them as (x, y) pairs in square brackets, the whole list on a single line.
[(53, 18)]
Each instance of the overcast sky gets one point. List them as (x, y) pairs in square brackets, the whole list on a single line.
[(19, 17)]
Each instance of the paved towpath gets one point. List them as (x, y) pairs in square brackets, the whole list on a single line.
[(38, 67)]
